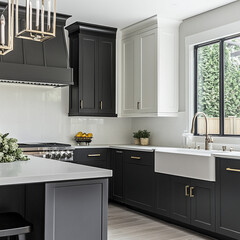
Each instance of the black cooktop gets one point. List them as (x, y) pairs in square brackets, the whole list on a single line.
[(40, 145)]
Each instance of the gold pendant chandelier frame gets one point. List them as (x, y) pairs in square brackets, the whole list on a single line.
[(7, 28), (40, 22)]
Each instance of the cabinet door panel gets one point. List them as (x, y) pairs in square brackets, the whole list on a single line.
[(163, 186), (128, 75), (107, 76), (139, 185), (228, 198), (148, 72), (76, 210), (117, 180), (88, 74), (203, 205), (180, 203)]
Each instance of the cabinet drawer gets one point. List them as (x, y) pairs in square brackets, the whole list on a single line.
[(92, 157), (137, 157)]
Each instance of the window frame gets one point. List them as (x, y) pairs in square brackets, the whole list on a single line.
[(221, 83)]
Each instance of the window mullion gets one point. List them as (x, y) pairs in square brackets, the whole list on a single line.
[(221, 87), (195, 84)]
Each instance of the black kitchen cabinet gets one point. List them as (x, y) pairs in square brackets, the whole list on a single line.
[(117, 180), (88, 75), (228, 197), (180, 199), (203, 205), (139, 179), (92, 57), (192, 202), (163, 194), (136, 184), (95, 157), (107, 76)]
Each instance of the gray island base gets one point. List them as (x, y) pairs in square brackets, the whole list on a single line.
[(73, 207)]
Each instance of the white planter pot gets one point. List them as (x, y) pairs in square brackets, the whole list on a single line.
[(144, 141)]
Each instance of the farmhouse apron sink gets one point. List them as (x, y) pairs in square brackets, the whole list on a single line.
[(192, 163)]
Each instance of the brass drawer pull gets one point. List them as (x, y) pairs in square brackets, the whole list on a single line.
[(94, 155), (101, 105), (138, 158), (191, 192), (186, 191), (233, 170)]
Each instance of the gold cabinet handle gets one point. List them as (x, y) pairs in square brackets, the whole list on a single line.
[(101, 105), (94, 155), (191, 192), (138, 158), (186, 191), (81, 104), (233, 170)]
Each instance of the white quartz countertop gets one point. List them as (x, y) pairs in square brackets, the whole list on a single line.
[(91, 146), (119, 146), (201, 152), (232, 155), (38, 170)]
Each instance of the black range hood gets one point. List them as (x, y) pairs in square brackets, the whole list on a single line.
[(38, 63)]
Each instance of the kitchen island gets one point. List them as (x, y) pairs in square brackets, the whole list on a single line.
[(62, 200)]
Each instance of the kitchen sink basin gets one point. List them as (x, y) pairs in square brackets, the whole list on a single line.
[(192, 163)]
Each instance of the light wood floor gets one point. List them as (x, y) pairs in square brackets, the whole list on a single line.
[(125, 224)]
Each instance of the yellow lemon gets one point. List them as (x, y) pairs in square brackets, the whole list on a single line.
[(90, 135), (79, 134)]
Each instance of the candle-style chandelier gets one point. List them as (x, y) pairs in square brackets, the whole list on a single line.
[(6, 28), (35, 21), (39, 22)]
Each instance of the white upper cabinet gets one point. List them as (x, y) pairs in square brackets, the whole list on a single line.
[(128, 85), (149, 69)]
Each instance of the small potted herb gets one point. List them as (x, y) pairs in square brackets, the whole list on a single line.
[(144, 139), (136, 136)]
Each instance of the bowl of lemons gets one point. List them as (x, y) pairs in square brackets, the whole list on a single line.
[(82, 137)]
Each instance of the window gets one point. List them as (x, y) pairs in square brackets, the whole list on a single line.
[(217, 86)]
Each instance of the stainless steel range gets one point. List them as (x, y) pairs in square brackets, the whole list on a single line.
[(57, 151)]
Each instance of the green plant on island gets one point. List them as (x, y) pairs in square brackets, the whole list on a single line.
[(9, 150)]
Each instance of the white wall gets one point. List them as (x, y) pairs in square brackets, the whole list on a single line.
[(164, 131), (168, 131), (36, 113)]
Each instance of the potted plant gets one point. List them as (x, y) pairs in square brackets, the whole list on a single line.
[(136, 137), (144, 139)]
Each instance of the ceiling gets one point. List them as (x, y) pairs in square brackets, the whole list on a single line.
[(122, 13)]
